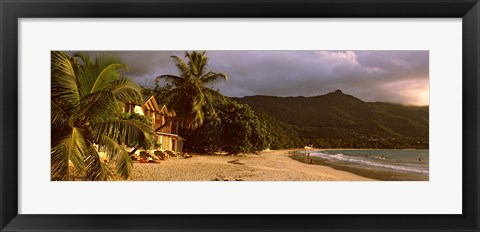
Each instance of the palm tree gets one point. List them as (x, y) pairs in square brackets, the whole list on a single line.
[(86, 107), (190, 94)]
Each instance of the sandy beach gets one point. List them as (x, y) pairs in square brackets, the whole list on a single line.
[(272, 165)]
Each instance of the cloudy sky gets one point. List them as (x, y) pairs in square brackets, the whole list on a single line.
[(389, 76)]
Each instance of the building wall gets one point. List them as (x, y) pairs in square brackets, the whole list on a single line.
[(166, 142), (179, 145), (157, 120), (139, 110)]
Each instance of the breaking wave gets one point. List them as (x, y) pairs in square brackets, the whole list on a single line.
[(369, 162)]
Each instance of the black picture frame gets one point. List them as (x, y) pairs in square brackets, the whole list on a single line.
[(12, 10)]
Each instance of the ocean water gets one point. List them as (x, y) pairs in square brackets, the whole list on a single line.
[(384, 164)]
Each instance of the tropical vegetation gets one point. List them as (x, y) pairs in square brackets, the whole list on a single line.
[(339, 120), (233, 128), (89, 129), (190, 95), (210, 121), (91, 132)]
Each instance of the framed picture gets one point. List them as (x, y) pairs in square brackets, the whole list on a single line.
[(409, 67)]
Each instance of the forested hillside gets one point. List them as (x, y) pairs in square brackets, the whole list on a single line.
[(341, 120)]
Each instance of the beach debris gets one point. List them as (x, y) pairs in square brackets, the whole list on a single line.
[(222, 178), (235, 162), (226, 179), (219, 178)]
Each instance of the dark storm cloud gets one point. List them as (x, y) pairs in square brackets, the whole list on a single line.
[(393, 76)]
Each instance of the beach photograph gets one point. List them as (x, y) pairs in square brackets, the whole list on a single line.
[(240, 115)]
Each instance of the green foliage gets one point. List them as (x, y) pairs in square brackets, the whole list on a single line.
[(234, 128), (242, 130), (282, 136), (86, 99), (190, 97), (146, 124), (338, 120), (136, 116), (159, 90), (205, 139)]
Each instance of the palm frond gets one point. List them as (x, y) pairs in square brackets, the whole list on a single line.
[(191, 110), (212, 77), (68, 146), (98, 74), (191, 63), (202, 63), (126, 91), (118, 155), (83, 56), (87, 74), (87, 98), (104, 60), (64, 81), (124, 164), (211, 96), (197, 114), (172, 79), (197, 61), (107, 75), (130, 132), (59, 164), (98, 106), (96, 169), (180, 103), (59, 117), (182, 67)]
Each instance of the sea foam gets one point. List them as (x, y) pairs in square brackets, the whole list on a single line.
[(368, 163)]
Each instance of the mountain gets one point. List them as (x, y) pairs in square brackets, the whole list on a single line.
[(341, 120)]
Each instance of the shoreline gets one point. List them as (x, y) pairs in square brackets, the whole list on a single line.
[(377, 174), (272, 165), (359, 149)]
